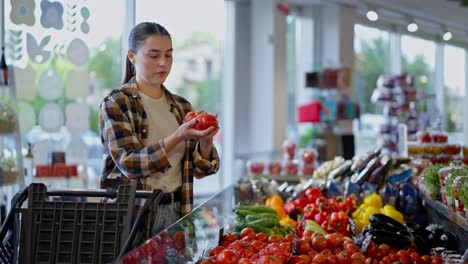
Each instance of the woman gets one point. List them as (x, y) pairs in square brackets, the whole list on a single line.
[(143, 133)]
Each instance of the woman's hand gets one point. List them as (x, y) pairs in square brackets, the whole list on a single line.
[(187, 132), (206, 142)]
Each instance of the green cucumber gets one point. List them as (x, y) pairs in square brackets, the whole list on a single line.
[(243, 213), (257, 208), (266, 222), (253, 217), (262, 229)]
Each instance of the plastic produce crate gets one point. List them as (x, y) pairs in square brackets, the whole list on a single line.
[(62, 226), (62, 231), (10, 230)]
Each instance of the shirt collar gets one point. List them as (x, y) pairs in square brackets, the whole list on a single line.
[(130, 89)]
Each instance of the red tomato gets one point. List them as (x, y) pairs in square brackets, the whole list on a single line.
[(343, 258), (207, 261), (436, 260), (178, 240), (312, 254), (358, 256), (296, 260), (326, 252), (205, 121), (275, 238), (384, 249), (247, 231), (286, 246), (228, 239), (189, 116), (258, 245), (332, 259), (303, 246), (289, 237), (227, 256), (371, 249), (319, 259), (351, 248), (427, 259), (242, 248), (371, 261), (244, 261), (319, 243), (307, 233), (334, 240), (404, 260), (305, 258), (249, 238), (261, 236), (269, 260), (215, 251)]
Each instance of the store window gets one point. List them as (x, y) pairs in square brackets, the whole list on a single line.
[(372, 48), (454, 85), (291, 56), (66, 56), (198, 40), (418, 59)]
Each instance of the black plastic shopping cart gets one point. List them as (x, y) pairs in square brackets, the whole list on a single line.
[(67, 226)]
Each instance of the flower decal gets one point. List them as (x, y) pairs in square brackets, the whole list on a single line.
[(52, 14), (22, 12)]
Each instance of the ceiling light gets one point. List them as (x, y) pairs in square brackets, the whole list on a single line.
[(412, 27), (372, 15), (447, 36)]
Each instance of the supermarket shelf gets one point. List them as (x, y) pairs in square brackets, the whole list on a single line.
[(279, 177), (438, 213)]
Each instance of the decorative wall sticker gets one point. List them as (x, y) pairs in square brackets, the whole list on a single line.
[(14, 45), (52, 14), (77, 84), (78, 52), (71, 17), (26, 84), (84, 25), (22, 12), (77, 118), (50, 86), (36, 51), (26, 116), (51, 118), (59, 49)]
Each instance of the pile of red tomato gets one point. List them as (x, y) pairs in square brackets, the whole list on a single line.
[(330, 213), (251, 247), (315, 248)]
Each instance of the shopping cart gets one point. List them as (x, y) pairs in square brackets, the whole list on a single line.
[(66, 226)]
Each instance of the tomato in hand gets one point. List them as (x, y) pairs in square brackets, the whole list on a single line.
[(208, 121), (189, 116)]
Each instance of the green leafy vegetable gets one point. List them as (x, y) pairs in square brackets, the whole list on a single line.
[(431, 178), (450, 179)]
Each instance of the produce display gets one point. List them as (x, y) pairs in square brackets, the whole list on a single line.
[(434, 146), (289, 166), (364, 210)]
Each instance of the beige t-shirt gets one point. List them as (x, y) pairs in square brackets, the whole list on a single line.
[(162, 123)]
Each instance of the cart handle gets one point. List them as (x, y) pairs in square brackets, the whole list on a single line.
[(111, 193)]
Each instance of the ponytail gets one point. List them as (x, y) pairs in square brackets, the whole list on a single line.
[(129, 71)]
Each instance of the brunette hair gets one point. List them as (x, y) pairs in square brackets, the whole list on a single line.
[(137, 36)]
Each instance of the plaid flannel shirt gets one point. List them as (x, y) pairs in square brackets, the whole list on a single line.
[(123, 127)]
